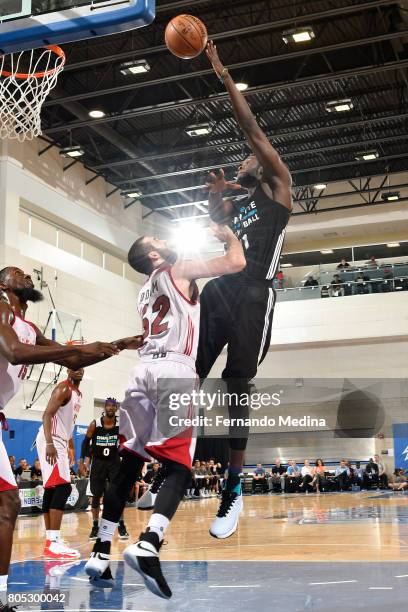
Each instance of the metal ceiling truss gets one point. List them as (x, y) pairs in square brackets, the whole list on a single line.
[(279, 86), (363, 123), (278, 24), (359, 52), (176, 78)]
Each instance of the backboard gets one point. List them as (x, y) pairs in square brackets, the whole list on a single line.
[(28, 24)]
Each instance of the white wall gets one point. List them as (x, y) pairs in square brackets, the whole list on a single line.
[(104, 301)]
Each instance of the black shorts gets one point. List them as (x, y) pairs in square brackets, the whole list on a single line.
[(102, 472), (236, 312)]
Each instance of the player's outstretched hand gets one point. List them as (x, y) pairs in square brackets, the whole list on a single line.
[(133, 343), (51, 454), (216, 182), (99, 349), (212, 54), (222, 232)]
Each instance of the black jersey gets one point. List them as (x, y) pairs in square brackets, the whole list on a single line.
[(105, 442), (260, 224)]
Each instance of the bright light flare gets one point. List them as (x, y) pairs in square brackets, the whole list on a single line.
[(189, 237)]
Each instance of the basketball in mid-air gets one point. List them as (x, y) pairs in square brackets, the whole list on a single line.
[(186, 36)]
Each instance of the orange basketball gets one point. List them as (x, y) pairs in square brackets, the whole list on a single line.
[(186, 36)]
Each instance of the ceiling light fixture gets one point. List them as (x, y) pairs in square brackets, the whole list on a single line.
[(320, 186), (298, 35), (242, 86), (339, 106), (134, 67), (286, 265), (132, 193), (200, 129), (327, 252), (393, 245), (390, 196), (96, 113), (76, 151), (367, 155)]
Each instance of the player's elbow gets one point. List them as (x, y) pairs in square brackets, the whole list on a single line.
[(13, 360), (238, 264), (14, 356)]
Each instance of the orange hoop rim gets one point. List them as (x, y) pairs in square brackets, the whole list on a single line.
[(39, 75)]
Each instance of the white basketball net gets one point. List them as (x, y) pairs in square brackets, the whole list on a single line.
[(26, 79)]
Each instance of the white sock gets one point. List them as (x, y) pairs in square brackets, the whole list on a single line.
[(3, 590), (54, 535), (106, 530), (158, 523)]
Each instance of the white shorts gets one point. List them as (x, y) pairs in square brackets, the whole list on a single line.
[(145, 413), (7, 479), (58, 473)]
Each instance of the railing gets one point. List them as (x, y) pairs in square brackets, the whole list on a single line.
[(352, 281)]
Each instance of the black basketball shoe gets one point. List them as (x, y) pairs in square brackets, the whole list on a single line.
[(143, 556)]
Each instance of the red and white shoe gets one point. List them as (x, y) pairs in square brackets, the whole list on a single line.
[(59, 550)]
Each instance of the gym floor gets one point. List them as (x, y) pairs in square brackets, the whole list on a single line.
[(291, 552)]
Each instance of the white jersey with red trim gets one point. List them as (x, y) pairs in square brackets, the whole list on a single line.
[(63, 421), (171, 321), (12, 376)]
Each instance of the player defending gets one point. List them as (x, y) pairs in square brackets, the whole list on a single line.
[(22, 344), (56, 454), (102, 444), (237, 310), (169, 307)]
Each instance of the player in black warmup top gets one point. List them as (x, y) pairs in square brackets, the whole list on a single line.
[(101, 443), (236, 310)]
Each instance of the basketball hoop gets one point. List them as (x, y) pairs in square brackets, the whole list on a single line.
[(26, 79)]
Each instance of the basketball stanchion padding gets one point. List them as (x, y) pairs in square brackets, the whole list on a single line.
[(26, 79)]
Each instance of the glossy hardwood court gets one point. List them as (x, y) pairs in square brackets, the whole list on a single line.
[(369, 526), (327, 553)]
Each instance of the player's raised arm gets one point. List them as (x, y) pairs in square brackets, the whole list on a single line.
[(232, 262), (275, 171)]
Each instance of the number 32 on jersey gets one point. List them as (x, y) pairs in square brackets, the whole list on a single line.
[(156, 327)]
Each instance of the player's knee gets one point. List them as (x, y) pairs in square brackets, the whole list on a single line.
[(131, 465), (47, 497), (60, 496), (119, 489), (96, 502), (177, 471), (10, 507)]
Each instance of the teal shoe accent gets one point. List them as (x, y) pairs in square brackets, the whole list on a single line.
[(237, 489)]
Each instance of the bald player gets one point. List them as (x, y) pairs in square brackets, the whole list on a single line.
[(22, 344)]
